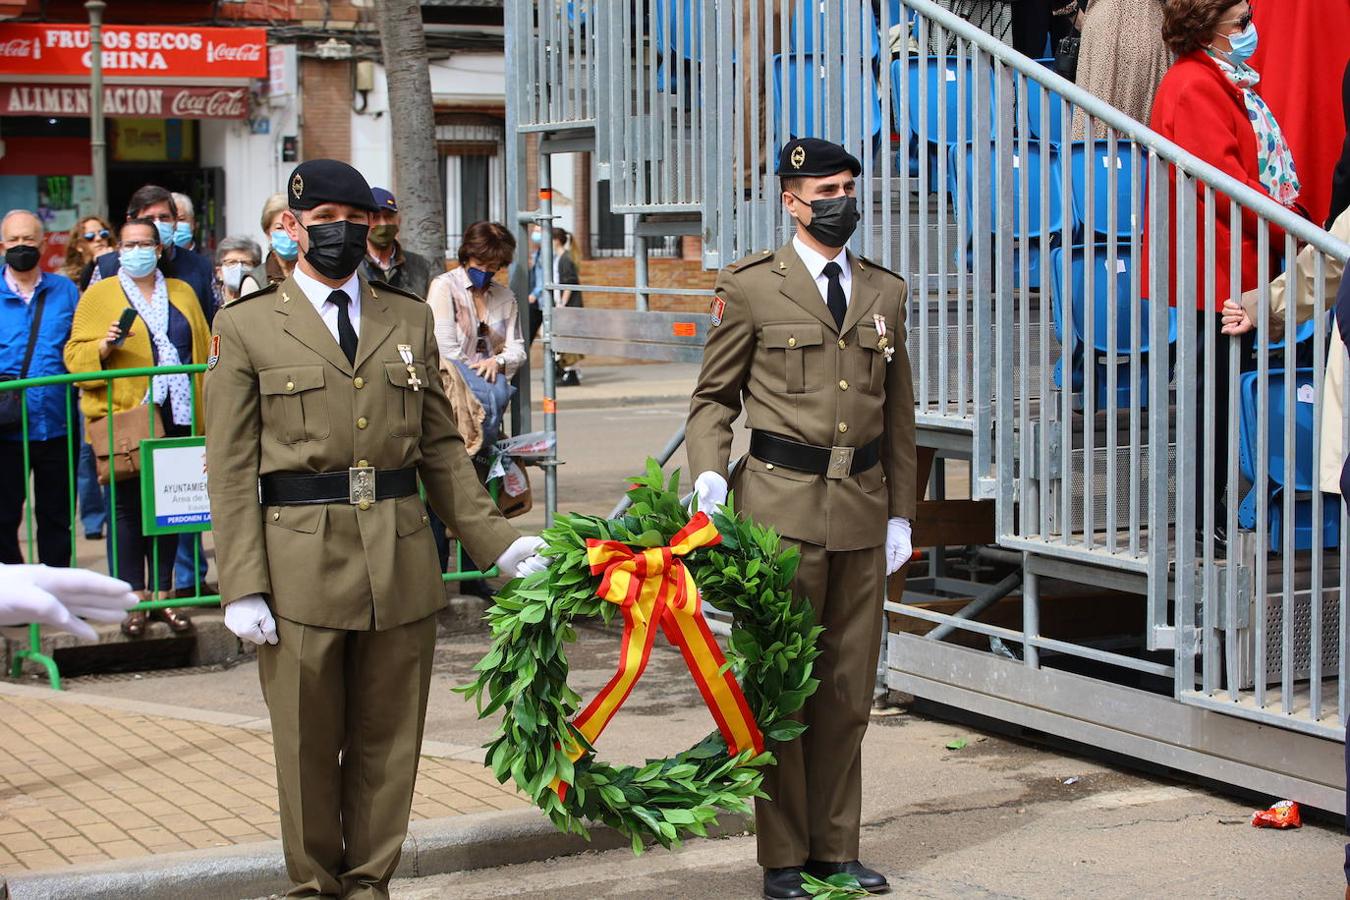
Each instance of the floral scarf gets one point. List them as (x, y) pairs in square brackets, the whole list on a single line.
[(1274, 158), (155, 314)]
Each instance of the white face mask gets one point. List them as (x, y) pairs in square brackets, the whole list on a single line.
[(232, 275)]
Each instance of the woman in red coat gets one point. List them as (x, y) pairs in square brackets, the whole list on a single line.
[(1208, 104)]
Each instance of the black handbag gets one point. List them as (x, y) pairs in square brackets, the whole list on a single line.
[(11, 402), (1066, 56)]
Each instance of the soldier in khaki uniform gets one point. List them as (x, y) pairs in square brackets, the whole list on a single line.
[(324, 410), (811, 339)]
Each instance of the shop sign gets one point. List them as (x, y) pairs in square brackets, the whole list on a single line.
[(28, 50), (125, 101)]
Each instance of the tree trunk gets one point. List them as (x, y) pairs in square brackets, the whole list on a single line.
[(413, 121)]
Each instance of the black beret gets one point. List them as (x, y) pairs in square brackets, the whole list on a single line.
[(318, 181), (814, 158)]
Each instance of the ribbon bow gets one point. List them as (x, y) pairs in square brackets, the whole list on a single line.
[(653, 587)]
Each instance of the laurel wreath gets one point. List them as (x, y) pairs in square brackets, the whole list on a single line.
[(523, 677)]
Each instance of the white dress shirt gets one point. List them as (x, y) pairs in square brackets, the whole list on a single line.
[(815, 264), (317, 294)]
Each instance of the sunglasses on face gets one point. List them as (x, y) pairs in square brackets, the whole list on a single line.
[(1242, 21), (101, 235)]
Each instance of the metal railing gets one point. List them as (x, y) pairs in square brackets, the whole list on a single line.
[(159, 597)]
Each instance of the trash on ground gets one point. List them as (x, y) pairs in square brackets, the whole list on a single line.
[(958, 744), (1284, 814), (1074, 780)]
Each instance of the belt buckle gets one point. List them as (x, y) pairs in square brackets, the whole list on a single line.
[(841, 462), (361, 485)]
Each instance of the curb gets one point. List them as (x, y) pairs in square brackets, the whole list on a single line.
[(433, 847)]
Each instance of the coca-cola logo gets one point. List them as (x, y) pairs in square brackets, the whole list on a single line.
[(215, 105), (21, 47), (233, 52)]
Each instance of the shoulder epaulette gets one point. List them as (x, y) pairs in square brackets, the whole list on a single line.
[(260, 292), (755, 259), (867, 263), (386, 286)]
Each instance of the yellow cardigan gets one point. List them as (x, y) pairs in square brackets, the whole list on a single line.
[(101, 306)]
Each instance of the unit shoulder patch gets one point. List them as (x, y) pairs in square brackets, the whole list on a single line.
[(215, 353), (717, 310)]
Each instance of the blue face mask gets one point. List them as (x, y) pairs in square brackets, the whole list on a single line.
[(182, 234), (285, 246), (1243, 43), (536, 237), (165, 232), (480, 278), (138, 262)]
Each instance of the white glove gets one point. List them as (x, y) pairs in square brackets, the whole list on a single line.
[(61, 597), (522, 558), (710, 489), (251, 620), (898, 545)]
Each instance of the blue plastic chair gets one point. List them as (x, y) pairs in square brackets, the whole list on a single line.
[(676, 21), (1129, 184), (1044, 112), (1033, 228), (1305, 480), (1077, 344), (813, 85), (929, 80), (808, 20)]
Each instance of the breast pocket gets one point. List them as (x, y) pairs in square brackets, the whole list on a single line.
[(295, 408), (797, 350), (405, 403), (869, 366)]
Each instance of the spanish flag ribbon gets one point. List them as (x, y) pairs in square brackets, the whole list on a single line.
[(653, 587)]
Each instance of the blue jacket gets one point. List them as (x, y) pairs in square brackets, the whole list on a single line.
[(185, 265), (47, 405)]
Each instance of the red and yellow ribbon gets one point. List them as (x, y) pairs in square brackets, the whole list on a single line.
[(654, 587)]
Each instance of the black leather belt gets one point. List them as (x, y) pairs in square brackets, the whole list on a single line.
[(357, 485), (832, 462)]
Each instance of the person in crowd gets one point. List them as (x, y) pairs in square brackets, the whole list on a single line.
[(565, 272), (169, 330), (992, 16), (1340, 177), (476, 320), (386, 259), (1304, 48), (1207, 103), (185, 229), (36, 310), (1122, 58), (282, 250), (236, 260), (156, 204), (1039, 25), (536, 282), (88, 240)]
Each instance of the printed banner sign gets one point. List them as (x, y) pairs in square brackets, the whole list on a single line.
[(29, 49), (173, 486), (125, 101)]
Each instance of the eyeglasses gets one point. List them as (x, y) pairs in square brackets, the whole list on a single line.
[(483, 348), (136, 245), (101, 234)]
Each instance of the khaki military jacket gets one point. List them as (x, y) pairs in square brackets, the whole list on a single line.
[(280, 396), (778, 353)]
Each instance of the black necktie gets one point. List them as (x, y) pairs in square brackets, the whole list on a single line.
[(834, 294), (346, 333)]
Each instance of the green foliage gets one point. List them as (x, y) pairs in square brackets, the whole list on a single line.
[(837, 887), (523, 676)]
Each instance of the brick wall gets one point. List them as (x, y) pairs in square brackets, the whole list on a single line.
[(327, 129), (673, 273)]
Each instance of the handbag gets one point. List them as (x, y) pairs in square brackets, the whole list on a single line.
[(11, 402), (520, 503), (1066, 56), (120, 458)]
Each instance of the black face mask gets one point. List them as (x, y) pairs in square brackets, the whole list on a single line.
[(336, 248), (833, 221), (22, 258)]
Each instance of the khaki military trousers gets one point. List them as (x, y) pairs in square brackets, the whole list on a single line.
[(816, 788), (347, 711)]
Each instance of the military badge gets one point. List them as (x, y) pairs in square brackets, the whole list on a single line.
[(883, 342), (215, 352), (798, 157), (297, 186), (719, 307)]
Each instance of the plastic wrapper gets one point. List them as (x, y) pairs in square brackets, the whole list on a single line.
[(1284, 814)]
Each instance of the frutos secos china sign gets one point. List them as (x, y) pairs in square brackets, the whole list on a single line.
[(134, 51)]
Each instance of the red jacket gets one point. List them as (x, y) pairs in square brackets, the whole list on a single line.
[(1199, 109)]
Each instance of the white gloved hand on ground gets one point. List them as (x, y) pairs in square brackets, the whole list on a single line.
[(61, 597), (522, 558), (710, 489), (898, 544), (251, 620)]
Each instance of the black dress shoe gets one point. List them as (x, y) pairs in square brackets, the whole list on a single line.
[(869, 880), (781, 884)]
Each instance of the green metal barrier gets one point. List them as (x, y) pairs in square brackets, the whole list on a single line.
[(74, 441)]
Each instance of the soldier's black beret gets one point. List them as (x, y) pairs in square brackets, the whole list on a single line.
[(317, 181), (814, 158)]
